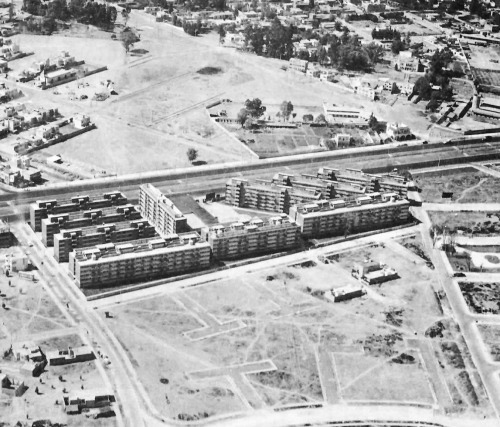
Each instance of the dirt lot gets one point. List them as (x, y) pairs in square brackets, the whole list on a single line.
[(491, 337), (468, 185), (481, 58), (275, 329)]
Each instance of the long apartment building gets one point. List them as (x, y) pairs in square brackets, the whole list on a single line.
[(337, 217), (53, 224), (42, 208), (252, 237), (69, 240), (160, 211), (267, 196), (148, 259), (391, 182)]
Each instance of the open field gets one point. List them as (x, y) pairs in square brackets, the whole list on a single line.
[(481, 58), (487, 77), (415, 244), (280, 341), (172, 95), (468, 185), (491, 337)]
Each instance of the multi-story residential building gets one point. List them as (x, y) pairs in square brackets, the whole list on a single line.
[(117, 264), (53, 224), (68, 240), (251, 237), (5, 235), (160, 211), (337, 217), (299, 65), (42, 208), (267, 196)]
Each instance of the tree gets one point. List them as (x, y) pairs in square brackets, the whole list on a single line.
[(286, 109), (375, 52), (192, 154), (242, 116), (255, 107), (128, 39), (397, 46), (125, 15), (395, 89), (320, 119), (373, 123)]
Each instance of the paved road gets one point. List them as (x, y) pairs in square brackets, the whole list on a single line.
[(488, 370)]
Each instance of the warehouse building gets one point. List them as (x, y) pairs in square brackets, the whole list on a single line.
[(337, 217), (53, 224), (69, 240), (148, 259), (160, 211), (42, 208), (252, 237)]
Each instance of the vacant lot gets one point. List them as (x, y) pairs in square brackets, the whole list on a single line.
[(468, 185), (491, 337), (281, 342), (481, 297), (484, 59)]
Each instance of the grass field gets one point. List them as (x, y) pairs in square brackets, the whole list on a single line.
[(481, 297), (274, 334), (477, 222), (468, 185)]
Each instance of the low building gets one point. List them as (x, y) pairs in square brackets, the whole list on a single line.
[(408, 63), (81, 121), (76, 401), (27, 351), (11, 386), (337, 217), (374, 272), (71, 355), (346, 116), (6, 237), (399, 132), (56, 77), (342, 139), (32, 369), (148, 259), (347, 292), (250, 238), (15, 262)]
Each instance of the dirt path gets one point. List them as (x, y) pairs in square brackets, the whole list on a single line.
[(468, 190)]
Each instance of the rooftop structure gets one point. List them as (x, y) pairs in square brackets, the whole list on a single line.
[(337, 217), (160, 211), (53, 224), (117, 264), (84, 237), (252, 237), (42, 208)]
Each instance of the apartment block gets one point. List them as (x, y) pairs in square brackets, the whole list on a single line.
[(252, 237), (148, 259), (267, 196), (5, 235), (68, 240), (42, 208), (53, 224), (337, 217), (160, 211)]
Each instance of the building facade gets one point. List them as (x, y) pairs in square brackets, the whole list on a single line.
[(251, 237), (337, 217), (160, 211), (148, 259)]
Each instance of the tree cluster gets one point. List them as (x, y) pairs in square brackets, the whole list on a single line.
[(83, 11), (385, 34), (362, 17), (192, 28), (274, 41)]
